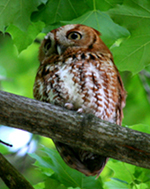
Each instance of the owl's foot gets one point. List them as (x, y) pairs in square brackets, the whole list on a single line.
[(69, 106)]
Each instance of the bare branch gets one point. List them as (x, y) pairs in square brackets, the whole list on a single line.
[(5, 143), (12, 178), (85, 131)]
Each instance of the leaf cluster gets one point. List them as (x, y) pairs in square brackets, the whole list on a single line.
[(116, 175), (123, 23)]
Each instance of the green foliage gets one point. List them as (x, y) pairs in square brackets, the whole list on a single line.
[(132, 15), (17, 13), (28, 36), (125, 26), (62, 174), (59, 175), (56, 11), (128, 176), (135, 16), (29, 17)]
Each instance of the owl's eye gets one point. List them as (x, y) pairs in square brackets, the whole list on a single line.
[(74, 35), (47, 45)]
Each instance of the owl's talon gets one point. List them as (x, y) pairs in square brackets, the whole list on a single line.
[(80, 110), (69, 106)]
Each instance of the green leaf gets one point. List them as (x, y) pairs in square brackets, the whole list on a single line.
[(141, 186), (134, 54), (64, 174), (53, 184), (116, 184), (142, 175), (56, 11), (127, 176), (132, 13), (17, 13), (141, 127), (103, 23), (103, 5), (122, 171), (40, 185), (137, 109), (68, 176), (22, 39), (43, 163), (135, 16)]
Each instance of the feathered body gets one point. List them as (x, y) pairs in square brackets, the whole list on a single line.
[(77, 72)]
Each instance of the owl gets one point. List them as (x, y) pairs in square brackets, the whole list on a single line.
[(77, 72)]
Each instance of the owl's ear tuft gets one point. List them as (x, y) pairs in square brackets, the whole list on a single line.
[(97, 32)]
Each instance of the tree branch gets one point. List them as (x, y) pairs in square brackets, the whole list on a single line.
[(12, 178), (85, 131)]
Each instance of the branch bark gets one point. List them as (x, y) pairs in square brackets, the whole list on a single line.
[(85, 131), (12, 178)]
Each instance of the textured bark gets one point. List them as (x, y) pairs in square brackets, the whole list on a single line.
[(12, 178), (85, 131)]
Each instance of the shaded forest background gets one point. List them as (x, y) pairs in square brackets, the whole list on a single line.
[(124, 25)]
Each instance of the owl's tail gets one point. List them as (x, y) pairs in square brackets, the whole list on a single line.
[(84, 161)]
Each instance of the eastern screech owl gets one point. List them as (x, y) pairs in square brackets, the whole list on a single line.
[(77, 72)]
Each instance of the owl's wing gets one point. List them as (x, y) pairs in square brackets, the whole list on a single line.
[(121, 99)]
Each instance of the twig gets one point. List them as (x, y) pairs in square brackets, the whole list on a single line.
[(11, 177), (10, 145)]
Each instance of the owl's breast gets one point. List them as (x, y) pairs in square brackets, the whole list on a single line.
[(85, 83), (69, 86)]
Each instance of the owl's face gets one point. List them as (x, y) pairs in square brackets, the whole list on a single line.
[(74, 36)]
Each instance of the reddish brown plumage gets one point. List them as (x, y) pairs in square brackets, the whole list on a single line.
[(77, 71)]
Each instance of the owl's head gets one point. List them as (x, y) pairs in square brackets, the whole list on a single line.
[(73, 37)]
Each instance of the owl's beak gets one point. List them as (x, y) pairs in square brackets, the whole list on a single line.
[(60, 49)]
